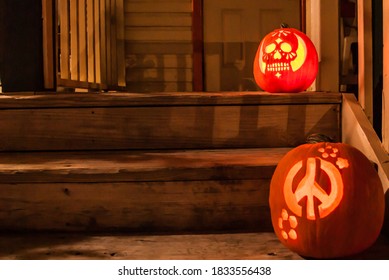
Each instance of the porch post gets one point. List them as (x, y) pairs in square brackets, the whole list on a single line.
[(385, 94)]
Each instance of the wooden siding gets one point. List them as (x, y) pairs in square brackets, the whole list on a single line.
[(158, 45)]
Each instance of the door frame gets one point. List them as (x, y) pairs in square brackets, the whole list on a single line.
[(198, 40)]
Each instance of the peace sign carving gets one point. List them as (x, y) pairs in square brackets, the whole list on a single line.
[(308, 187)]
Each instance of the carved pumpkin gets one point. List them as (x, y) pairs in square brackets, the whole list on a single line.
[(326, 201), (286, 61)]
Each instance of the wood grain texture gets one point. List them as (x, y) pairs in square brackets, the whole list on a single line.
[(255, 246), (165, 127), (227, 246), (358, 131), (136, 207), (50, 100), (137, 191), (153, 30), (182, 6), (385, 77), (122, 166)]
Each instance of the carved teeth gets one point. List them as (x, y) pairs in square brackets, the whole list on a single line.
[(277, 67)]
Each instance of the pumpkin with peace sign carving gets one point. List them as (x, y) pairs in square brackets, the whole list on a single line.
[(326, 201)]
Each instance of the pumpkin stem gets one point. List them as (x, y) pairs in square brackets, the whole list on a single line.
[(284, 25), (318, 138)]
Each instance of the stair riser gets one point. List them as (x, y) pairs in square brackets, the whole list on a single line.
[(165, 127), (136, 207)]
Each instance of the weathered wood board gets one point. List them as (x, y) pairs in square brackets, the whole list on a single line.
[(232, 246), (137, 191), (139, 166), (359, 132), (159, 162), (136, 207), (193, 121)]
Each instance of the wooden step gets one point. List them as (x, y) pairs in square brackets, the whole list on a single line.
[(165, 120), (230, 246), (141, 191)]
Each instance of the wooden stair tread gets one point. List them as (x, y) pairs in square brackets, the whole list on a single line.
[(124, 166), (142, 247), (226, 246), (50, 100)]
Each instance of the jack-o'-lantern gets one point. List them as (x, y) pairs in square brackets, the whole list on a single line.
[(286, 61), (326, 201)]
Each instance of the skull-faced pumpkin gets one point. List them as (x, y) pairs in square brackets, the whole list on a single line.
[(326, 200), (286, 61)]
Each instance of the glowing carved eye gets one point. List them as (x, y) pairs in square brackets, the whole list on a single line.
[(270, 48), (286, 47)]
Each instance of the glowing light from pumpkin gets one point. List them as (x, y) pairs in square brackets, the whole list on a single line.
[(308, 187), (336, 179), (286, 61), (279, 56), (292, 220)]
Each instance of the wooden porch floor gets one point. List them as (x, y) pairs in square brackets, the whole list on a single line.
[(229, 246)]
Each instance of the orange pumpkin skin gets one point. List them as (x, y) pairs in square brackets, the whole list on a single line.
[(286, 61), (326, 201)]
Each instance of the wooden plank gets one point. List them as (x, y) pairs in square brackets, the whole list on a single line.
[(158, 7), (120, 166), (160, 75), (90, 41), (74, 35), (63, 13), (198, 45), (113, 41), (216, 246), (109, 37), (385, 96), (140, 207), (157, 86), (82, 40), (48, 44), (168, 127), (173, 34), (158, 19), (329, 46), (365, 57), (227, 246), (103, 42), (358, 131), (121, 76), (39, 101), (160, 61), (97, 40), (176, 48), (170, 1)]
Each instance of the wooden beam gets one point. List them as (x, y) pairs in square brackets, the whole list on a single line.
[(329, 46), (63, 13), (303, 12), (365, 57), (48, 44), (385, 96), (358, 131), (198, 50), (120, 47), (74, 49), (322, 27)]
